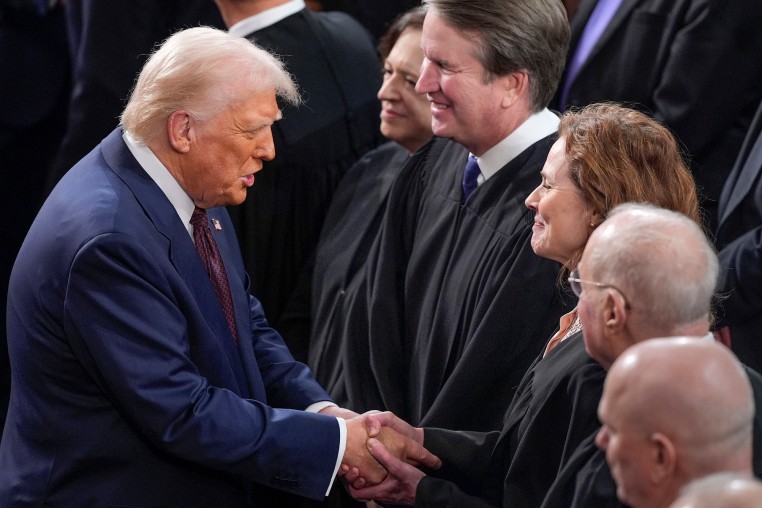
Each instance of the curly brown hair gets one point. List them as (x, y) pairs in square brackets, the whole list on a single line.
[(618, 155)]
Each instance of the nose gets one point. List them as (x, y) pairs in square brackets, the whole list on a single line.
[(532, 200), (602, 438), (427, 82), (388, 90), (266, 147)]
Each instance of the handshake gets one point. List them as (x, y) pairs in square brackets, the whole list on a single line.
[(382, 457)]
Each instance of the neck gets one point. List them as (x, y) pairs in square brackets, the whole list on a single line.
[(698, 328), (233, 11)]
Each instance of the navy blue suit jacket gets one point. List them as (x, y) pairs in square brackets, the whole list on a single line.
[(127, 387)]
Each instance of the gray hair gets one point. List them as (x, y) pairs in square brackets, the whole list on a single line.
[(201, 70), (660, 259), (515, 35)]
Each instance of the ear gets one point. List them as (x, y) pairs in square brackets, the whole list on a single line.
[(663, 457), (615, 311), (180, 131), (515, 85), (595, 219)]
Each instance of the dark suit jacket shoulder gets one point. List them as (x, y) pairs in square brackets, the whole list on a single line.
[(663, 57)]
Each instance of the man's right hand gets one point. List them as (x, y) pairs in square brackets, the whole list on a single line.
[(400, 439)]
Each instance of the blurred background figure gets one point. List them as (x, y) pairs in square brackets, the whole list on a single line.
[(109, 41), (692, 64), (34, 89), (722, 490), (739, 240), (353, 219), (334, 62), (372, 14)]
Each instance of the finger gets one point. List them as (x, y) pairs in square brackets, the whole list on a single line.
[(351, 475), (359, 483), (380, 491), (418, 455), (383, 456), (376, 421)]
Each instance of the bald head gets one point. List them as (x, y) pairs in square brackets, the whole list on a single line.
[(724, 490), (662, 258), (663, 265), (685, 408)]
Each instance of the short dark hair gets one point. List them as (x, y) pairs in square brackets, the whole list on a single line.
[(410, 19), (514, 35)]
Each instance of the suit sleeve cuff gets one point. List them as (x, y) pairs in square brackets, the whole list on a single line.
[(342, 448)]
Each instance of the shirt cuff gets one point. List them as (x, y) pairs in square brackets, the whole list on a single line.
[(342, 448), (319, 406), (316, 407)]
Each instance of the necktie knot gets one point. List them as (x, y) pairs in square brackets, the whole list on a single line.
[(199, 218), (470, 176)]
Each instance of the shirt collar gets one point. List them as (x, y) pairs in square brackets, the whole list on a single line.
[(534, 128), (180, 200), (264, 19)]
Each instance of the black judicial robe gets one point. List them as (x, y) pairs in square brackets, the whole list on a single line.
[(553, 411), (454, 304), (350, 226), (585, 480), (335, 64)]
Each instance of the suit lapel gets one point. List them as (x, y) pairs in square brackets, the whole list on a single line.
[(225, 238), (182, 253), (745, 171)]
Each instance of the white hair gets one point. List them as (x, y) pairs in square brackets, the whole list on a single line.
[(663, 259), (203, 71)]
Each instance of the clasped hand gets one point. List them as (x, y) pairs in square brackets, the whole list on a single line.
[(382, 456)]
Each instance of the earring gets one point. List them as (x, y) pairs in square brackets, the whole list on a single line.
[(592, 225)]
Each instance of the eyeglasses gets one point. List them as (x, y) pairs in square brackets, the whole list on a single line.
[(576, 286)]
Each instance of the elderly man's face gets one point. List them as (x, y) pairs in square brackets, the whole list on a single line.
[(463, 107), (228, 149), (627, 446), (601, 310)]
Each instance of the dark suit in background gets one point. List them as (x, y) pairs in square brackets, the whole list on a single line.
[(335, 64), (692, 64), (739, 240), (372, 14), (109, 41), (138, 396), (34, 87)]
